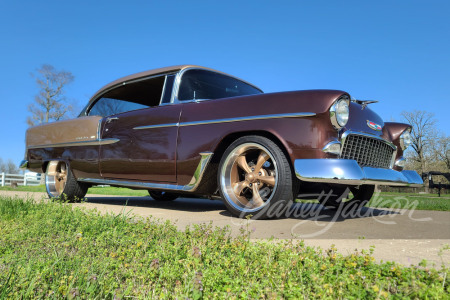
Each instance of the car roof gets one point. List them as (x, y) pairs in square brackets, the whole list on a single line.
[(166, 70)]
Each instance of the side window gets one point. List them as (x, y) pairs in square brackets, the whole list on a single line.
[(132, 96), (203, 84)]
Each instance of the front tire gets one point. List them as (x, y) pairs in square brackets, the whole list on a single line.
[(255, 178), (60, 182)]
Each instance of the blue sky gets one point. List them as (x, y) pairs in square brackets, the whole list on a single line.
[(395, 51)]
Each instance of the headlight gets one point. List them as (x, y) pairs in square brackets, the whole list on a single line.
[(406, 139), (339, 112)]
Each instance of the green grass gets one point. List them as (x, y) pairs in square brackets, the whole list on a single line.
[(381, 200), (93, 190), (55, 250)]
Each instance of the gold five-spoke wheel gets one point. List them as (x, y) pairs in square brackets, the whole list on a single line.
[(60, 182), (253, 176), (250, 176), (56, 178)]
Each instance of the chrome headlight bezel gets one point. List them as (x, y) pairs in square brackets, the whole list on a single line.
[(405, 139), (340, 112)]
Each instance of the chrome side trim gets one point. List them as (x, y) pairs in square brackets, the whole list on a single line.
[(347, 171), (23, 165), (190, 187), (96, 142), (157, 126), (229, 120), (249, 118)]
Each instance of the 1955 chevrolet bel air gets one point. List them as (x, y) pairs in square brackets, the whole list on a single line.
[(195, 132)]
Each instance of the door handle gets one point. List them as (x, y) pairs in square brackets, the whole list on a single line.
[(109, 120)]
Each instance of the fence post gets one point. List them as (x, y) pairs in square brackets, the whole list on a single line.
[(3, 178), (24, 179)]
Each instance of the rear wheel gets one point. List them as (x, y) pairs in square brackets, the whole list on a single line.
[(255, 178), (361, 195), (60, 182), (162, 196)]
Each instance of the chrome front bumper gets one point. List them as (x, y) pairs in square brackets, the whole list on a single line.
[(347, 171)]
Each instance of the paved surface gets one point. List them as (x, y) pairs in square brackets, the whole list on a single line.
[(404, 236)]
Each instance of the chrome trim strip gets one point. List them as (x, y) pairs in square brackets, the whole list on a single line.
[(249, 118), (190, 187), (157, 126), (229, 120), (96, 142), (347, 171)]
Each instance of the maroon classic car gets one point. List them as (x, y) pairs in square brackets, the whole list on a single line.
[(195, 132)]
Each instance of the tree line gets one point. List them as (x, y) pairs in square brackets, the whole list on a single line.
[(430, 149)]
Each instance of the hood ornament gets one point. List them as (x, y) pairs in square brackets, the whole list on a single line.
[(374, 125), (364, 103)]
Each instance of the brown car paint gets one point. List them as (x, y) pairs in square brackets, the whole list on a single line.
[(141, 154)]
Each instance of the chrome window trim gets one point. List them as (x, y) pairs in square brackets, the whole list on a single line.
[(175, 90), (229, 120), (190, 187), (91, 103), (96, 142), (348, 132)]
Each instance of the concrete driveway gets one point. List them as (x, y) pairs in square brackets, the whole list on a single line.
[(404, 236)]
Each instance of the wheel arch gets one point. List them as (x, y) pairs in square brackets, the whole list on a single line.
[(230, 138), (210, 187)]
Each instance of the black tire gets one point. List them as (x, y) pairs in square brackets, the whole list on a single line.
[(361, 196), (60, 183), (255, 178), (162, 196)]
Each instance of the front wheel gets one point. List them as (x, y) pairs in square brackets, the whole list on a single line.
[(60, 182), (255, 178)]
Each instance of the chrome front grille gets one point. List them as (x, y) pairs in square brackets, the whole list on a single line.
[(368, 151)]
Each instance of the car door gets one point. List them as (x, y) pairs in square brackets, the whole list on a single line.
[(146, 144), (139, 136)]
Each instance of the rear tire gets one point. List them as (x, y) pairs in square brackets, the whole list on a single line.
[(60, 183), (162, 196), (255, 178)]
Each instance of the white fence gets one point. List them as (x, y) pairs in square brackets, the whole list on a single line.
[(20, 179)]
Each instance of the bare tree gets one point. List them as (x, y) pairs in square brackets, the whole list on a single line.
[(50, 104), (9, 167), (441, 150), (423, 132)]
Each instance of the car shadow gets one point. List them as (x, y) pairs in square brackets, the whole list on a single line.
[(298, 211), (317, 212), (180, 204)]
